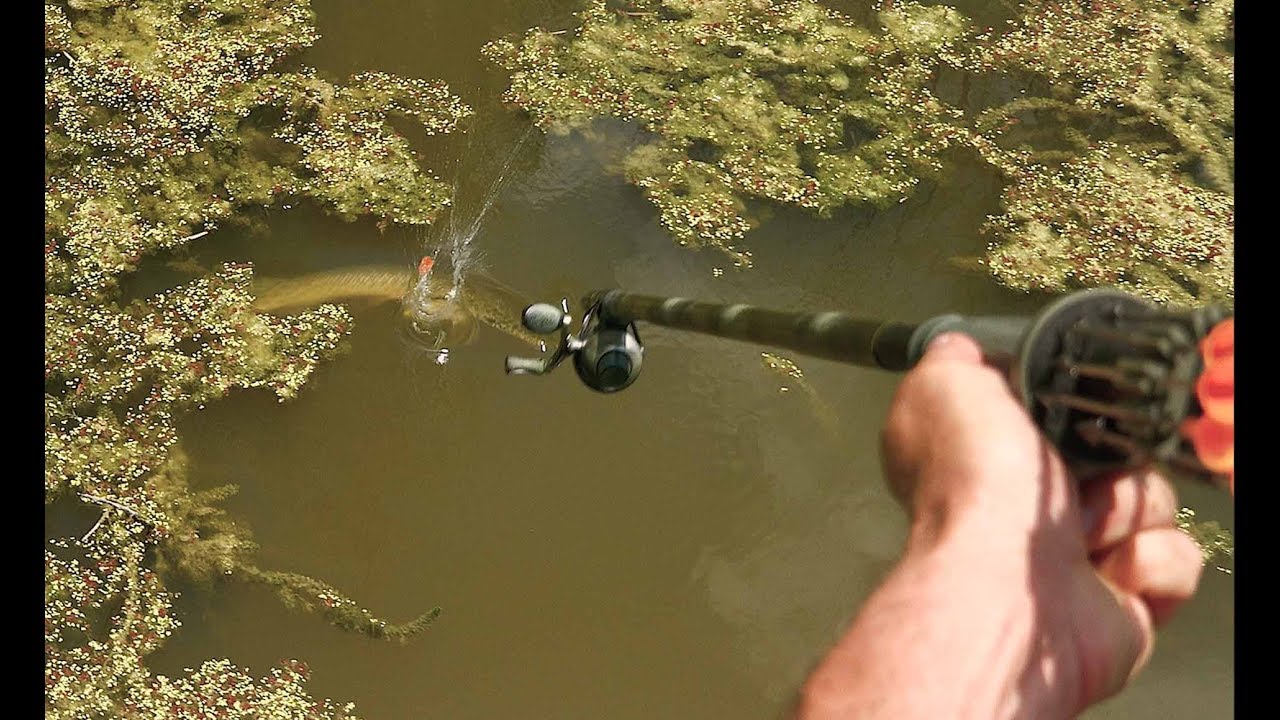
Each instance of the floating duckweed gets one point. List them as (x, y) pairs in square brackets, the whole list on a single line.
[(164, 117), (1216, 544), (1115, 135), (1119, 149), (784, 101), (1110, 218)]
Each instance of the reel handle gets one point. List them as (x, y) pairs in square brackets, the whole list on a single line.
[(545, 319), (525, 365)]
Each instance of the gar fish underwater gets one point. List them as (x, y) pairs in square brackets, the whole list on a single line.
[(433, 309)]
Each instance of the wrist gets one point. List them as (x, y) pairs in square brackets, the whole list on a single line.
[(1013, 516), (961, 626), (969, 529), (1009, 588)]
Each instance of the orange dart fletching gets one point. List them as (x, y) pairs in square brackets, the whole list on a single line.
[(1213, 434), (425, 265)]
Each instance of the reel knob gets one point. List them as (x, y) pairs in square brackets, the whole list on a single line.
[(543, 318)]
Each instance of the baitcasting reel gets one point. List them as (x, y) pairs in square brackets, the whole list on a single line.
[(607, 355)]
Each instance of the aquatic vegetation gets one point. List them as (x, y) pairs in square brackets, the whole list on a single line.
[(1153, 75), (164, 117), (1118, 144), (116, 377), (106, 610), (1216, 544), (162, 120), (1112, 122), (786, 101), (1110, 218), (786, 371)]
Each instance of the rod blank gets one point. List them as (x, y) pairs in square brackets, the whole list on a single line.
[(829, 335)]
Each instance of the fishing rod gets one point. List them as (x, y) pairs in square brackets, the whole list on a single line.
[(1110, 379)]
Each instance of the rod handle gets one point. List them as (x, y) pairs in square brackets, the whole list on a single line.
[(999, 335)]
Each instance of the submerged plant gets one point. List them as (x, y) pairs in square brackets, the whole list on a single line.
[(108, 607), (163, 119)]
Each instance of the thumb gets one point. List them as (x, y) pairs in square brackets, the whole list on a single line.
[(952, 347)]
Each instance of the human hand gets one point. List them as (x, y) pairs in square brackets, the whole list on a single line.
[(1097, 566)]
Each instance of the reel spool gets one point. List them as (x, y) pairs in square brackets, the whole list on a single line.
[(1110, 379)]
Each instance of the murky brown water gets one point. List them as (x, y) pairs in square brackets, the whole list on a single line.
[(685, 549)]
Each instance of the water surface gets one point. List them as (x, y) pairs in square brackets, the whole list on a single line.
[(685, 549)]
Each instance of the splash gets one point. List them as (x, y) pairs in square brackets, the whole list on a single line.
[(442, 281), (434, 314), (461, 234)]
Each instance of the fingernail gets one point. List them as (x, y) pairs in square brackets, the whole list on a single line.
[(943, 340)]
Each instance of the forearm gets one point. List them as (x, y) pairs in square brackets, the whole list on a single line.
[(943, 636), (1006, 604)]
